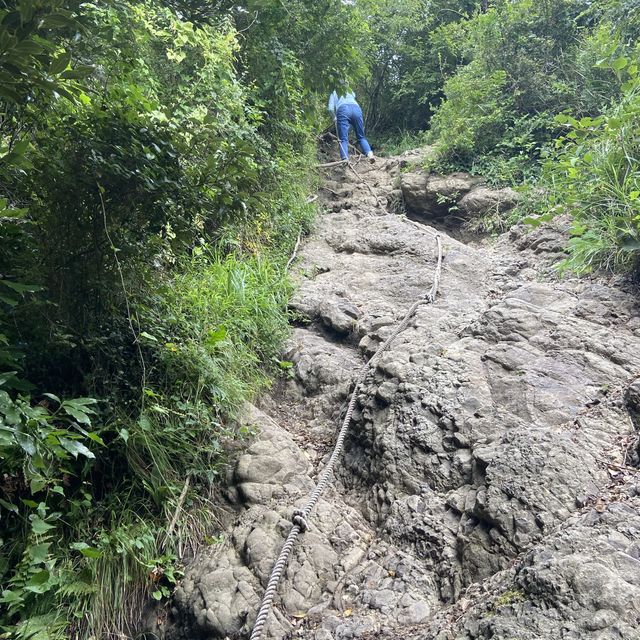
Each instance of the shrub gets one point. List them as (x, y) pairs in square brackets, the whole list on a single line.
[(474, 116), (216, 327), (529, 61), (110, 189), (596, 177)]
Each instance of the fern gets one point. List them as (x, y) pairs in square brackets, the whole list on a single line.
[(50, 626)]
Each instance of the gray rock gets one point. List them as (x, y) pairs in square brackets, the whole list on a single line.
[(574, 585), (415, 613), (546, 240), (272, 466), (340, 315), (487, 487), (482, 201), (632, 401), (432, 196)]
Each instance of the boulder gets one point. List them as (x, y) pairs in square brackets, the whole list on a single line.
[(482, 201), (338, 314), (432, 196)]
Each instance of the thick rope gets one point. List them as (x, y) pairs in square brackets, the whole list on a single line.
[(300, 516)]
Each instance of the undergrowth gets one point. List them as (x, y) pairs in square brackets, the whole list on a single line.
[(146, 221), (217, 324), (595, 177), (397, 143), (88, 533), (547, 102)]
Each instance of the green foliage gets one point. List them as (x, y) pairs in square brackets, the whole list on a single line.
[(292, 54), (473, 118), (508, 598), (595, 176), (131, 140), (61, 565), (529, 41), (45, 455), (414, 46), (623, 16), (529, 61), (35, 62), (513, 159), (491, 77), (139, 167), (399, 142), (219, 321)]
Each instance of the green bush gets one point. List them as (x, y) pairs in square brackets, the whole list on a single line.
[(530, 60), (217, 324), (595, 176), (115, 178), (413, 46), (622, 15), (514, 159), (533, 42), (474, 116), (82, 504)]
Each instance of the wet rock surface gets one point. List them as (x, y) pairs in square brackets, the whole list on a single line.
[(489, 485)]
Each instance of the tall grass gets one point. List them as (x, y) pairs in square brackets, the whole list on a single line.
[(218, 328), (596, 178)]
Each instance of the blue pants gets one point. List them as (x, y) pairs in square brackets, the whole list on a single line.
[(351, 115)]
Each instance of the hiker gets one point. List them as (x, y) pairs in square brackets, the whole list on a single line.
[(347, 112)]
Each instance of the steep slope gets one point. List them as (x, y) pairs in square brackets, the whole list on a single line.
[(488, 487)]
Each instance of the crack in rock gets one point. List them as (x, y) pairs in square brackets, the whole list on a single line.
[(488, 486)]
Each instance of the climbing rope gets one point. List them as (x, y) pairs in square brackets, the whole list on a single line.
[(299, 518)]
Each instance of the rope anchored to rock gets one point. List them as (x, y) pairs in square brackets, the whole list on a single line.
[(299, 517)]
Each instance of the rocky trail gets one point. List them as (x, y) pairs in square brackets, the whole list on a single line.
[(489, 486)]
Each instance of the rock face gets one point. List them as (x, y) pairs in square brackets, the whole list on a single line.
[(488, 487), (459, 195), (482, 200), (583, 582)]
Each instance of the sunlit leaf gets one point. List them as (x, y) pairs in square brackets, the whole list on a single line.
[(75, 448), (619, 63), (39, 526)]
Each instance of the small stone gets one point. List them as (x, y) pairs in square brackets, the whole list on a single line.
[(601, 620), (416, 613)]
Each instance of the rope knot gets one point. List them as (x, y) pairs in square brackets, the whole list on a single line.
[(300, 520)]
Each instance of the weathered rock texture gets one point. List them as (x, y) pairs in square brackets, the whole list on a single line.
[(459, 195), (488, 487)]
